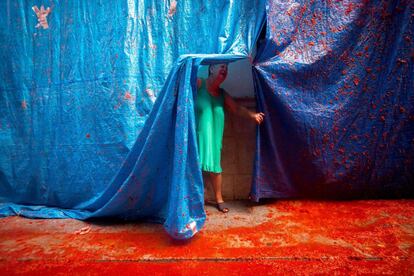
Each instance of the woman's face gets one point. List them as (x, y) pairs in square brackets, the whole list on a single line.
[(218, 72)]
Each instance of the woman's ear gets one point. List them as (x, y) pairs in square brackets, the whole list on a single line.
[(198, 83)]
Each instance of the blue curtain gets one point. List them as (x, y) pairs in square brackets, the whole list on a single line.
[(336, 82), (96, 105)]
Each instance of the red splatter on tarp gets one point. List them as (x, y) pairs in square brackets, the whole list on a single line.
[(173, 9)]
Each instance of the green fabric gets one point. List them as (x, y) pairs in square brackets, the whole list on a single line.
[(210, 127)]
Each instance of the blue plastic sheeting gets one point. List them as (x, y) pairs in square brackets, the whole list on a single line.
[(78, 87), (336, 82)]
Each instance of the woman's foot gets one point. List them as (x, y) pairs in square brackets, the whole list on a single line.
[(222, 207)]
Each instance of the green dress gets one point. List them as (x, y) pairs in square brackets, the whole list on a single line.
[(210, 127)]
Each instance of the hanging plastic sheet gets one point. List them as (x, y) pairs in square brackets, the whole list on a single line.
[(79, 82), (336, 82)]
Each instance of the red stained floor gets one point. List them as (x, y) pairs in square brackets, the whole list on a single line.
[(281, 237)]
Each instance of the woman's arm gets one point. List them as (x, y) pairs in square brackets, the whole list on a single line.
[(241, 110)]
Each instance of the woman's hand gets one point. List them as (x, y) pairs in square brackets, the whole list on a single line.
[(242, 111), (258, 117)]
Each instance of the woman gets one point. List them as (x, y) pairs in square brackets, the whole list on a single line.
[(210, 104)]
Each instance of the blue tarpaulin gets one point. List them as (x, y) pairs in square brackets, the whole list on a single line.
[(97, 103), (336, 82)]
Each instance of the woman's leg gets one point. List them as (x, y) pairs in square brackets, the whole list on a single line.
[(216, 182)]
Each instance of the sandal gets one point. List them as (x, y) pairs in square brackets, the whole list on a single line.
[(222, 207)]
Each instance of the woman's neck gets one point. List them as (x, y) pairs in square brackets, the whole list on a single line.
[(213, 85)]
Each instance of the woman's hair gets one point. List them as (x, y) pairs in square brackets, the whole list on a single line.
[(210, 65)]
